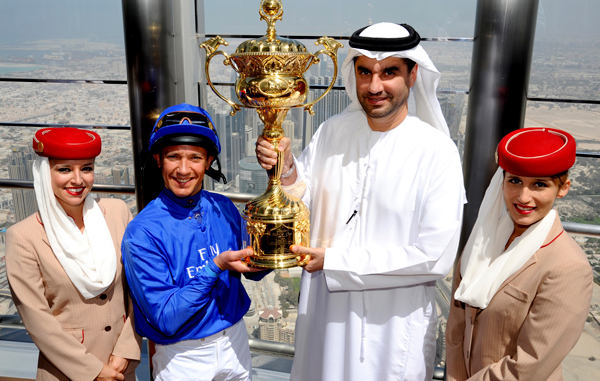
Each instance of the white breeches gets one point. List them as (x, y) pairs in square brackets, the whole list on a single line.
[(224, 356)]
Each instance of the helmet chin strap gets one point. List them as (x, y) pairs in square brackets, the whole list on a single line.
[(215, 173)]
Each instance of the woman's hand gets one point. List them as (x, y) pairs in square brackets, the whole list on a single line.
[(109, 374), (118, 363)]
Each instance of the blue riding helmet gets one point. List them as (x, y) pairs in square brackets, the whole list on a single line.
[(184, 124)]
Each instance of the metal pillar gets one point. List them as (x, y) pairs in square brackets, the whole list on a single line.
[(162, 61), (500, 67)]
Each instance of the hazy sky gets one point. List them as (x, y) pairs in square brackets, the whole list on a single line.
[(26, 20), (441, 18)]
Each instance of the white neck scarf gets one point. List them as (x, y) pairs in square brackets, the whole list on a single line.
[(422, 99), (89, 260), (485, 265)]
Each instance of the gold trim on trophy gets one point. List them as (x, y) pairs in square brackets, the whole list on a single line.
[(271, 80)]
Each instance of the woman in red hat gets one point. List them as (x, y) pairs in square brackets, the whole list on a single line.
[(64, 266), (523, 285)]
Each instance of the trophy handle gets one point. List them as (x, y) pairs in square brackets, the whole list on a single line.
[(211, 46), (331, 47)]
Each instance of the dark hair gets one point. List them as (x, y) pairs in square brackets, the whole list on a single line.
[(410, 64), (561, 178)]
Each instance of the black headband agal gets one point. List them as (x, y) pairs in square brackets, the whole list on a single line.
[(385, 44)]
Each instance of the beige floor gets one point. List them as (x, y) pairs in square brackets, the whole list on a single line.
[(577, 365)]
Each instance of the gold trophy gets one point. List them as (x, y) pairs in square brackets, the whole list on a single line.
[(270, 79)]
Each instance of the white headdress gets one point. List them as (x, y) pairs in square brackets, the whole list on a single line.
[(485, 265), (385, 40), (90, 260)]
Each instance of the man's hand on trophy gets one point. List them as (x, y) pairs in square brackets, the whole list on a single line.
[(267, 157), (317, 257), (232, 260)]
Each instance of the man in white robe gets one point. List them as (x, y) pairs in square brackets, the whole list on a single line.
[(384, 185)]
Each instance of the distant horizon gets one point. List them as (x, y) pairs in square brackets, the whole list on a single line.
[(30, 20)]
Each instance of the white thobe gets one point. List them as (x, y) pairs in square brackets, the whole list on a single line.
[(370, 314)]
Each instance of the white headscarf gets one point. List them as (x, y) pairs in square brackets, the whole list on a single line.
[(89, 260), (485, 265), (422, 101)]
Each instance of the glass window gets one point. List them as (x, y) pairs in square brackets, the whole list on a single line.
[(566, 55), (239, 133), (62, 39), (113, 166), (452, 59), (65, 103), (579, 119), (273, 312), (581, 205), (431, 18)]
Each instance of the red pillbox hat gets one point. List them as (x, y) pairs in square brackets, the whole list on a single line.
[(67, 143), (536, 151)]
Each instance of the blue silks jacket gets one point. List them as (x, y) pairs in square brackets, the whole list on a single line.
[(178, 292)]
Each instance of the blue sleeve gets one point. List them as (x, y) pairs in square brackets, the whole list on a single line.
[(165, 305)]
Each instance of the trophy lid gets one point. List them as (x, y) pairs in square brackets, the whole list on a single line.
[(271, 11)]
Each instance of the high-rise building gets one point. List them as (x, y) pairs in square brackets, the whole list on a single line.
[(20, 167), (253, 178), (307, 122), (250, 139), (323, 68), (288, 128), (120, 175), (270, 322), (223, 126), (288, 333), (3, 277), (235, 154)]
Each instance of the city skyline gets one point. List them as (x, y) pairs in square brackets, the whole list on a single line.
[(72, 46), (83, 102)]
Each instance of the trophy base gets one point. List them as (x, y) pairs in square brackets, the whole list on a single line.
[(275, 221), (276, 262), (272, 248)]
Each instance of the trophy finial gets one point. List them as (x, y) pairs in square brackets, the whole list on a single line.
[(271, 11)]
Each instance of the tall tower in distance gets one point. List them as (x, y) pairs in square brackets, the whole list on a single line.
[(20, 168), (120, 175)]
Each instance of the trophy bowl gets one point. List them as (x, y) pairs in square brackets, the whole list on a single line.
[(271, 80)]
